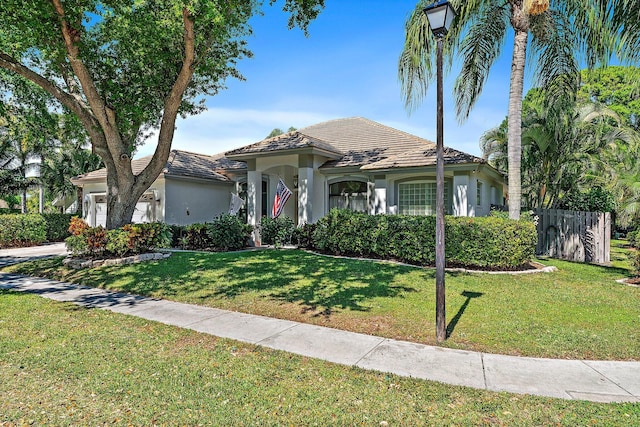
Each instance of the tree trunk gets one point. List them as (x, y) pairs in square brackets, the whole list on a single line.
[(23, 201), (123, 192), (514, 133)]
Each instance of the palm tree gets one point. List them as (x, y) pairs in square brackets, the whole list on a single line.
[(559, 148), (545, 32)]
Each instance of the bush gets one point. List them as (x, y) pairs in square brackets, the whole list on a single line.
[(634, 257), (77, 226), (303, 236), (487, 242), (117, 242), (131, 239), (146, 236), (22, 230), (57, 226), (227, 233), (277, 231), (224, 233)]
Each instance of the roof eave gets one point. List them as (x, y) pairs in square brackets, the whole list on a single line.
[(285, 152)]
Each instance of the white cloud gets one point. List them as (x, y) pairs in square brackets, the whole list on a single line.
[(219, 129)]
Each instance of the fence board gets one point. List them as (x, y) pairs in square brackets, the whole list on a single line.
[(574, 236)]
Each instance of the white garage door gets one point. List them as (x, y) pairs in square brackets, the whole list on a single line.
[(100, 216), (144, 211)]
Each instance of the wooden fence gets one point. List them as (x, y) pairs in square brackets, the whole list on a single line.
[(574, 236)]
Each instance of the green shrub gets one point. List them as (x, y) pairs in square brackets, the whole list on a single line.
[(227, 232), (117, 242), (77, 245), (632, 236), (486, 242), (22, 230), (277, 231), (224, 233), (57, 226), (303, 236)]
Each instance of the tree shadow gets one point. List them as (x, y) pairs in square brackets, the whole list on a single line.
[(469, 295), (314, 282)]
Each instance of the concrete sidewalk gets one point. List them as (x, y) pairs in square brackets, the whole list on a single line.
[(598, 381)]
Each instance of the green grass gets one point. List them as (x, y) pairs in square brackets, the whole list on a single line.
[(578, 312), (62, 365)]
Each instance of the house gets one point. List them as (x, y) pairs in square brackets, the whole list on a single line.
[(351, 163)]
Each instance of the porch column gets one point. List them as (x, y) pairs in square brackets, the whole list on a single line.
[(380, 195), (461, 195), (305, 189), (254, 199)]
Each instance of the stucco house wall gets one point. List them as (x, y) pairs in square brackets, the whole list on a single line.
[(188, 202)]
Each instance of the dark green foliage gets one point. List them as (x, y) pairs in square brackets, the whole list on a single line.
[(488, 242), (226, 232), (93, 242), (57, 226), (22, 230), (596, 199), (277, 231), (303, 236), (634, 257)]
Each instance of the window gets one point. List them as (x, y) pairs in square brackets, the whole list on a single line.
[(350, 195), (479, 198), (243, 195), (419, 198)]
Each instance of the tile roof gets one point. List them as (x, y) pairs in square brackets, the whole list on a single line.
[(180, 164), (421, 157), (364, 141), (287, 141)]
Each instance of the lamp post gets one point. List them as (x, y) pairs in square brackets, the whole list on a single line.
[(440, 15)]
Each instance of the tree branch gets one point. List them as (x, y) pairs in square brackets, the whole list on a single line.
[(66, 99), (103, 114), (172, 104)]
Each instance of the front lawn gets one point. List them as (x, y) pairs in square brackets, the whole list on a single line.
[(63, 365), (578, 312)]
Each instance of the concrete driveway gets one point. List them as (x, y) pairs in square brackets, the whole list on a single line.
[(16, 255)]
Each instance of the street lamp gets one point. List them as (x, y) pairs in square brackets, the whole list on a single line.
[(440, 15)]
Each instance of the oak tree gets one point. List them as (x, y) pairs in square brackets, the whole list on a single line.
[(127, 67)]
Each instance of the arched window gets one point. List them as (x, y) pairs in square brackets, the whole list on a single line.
[(350, 195)]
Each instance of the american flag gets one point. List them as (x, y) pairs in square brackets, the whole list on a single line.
[(282, 195)]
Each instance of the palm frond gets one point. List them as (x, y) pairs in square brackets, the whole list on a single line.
[(479, 49)]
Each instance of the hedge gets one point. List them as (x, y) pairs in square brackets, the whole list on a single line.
[(474, 242), (224, 233), (57, 226), (22, 230)]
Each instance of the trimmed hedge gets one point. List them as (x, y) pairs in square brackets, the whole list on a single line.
[(224, 233), (482, 242), (22, 230), (57, 226)]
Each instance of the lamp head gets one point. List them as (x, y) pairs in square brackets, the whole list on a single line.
[(440, 15)]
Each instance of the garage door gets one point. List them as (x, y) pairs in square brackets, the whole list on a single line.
[(143, 213), (100, 217)]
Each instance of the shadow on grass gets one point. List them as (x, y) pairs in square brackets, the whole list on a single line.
[(454, 321), (316, 283)]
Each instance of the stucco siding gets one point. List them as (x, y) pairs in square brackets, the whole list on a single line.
[(191, 202)]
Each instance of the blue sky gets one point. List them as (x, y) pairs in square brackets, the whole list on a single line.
[(346, 67)]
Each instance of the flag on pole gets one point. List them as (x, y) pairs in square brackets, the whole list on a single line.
[(282, 195), (236, 204)]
